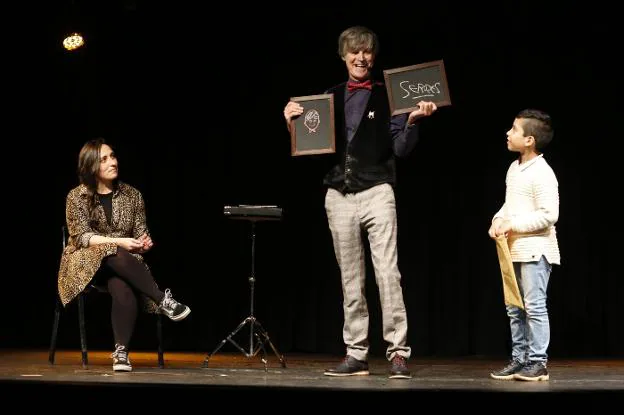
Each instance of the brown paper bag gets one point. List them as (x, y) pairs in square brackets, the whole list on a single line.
[(510, 284)]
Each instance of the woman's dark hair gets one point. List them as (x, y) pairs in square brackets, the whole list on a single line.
[(88, 169)]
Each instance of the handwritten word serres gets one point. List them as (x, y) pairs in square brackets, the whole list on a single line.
[(419, 90)]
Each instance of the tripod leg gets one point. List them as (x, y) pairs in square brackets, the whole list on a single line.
[(260, 347), (229, 338), (265, 339), (277, 354)]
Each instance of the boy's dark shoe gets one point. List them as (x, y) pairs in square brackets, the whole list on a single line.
[(534, 371), (509, 371), (399, 369), (350, 366)]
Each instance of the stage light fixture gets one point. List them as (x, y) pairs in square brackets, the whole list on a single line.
[(73, 41)]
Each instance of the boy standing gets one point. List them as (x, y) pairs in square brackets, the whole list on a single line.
[(527, 219)]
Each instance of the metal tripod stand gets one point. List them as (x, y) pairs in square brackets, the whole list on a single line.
[(256, 331)]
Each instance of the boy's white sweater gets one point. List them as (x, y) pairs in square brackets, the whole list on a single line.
[(532, 206)]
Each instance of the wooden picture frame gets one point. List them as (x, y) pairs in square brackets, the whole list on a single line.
[(313, 131), (423, 82)]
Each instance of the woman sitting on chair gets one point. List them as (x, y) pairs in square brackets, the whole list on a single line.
[(107, 235)]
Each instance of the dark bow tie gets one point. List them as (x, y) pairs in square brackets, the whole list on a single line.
[(352, 86)]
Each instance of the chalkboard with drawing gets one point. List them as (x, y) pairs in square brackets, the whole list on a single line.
[(313, 131)]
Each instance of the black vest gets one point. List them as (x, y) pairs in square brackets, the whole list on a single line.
[(368, 159)]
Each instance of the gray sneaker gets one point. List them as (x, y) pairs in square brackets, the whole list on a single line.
[(534, 371), (172, 309), (121, 363), (508, 372)]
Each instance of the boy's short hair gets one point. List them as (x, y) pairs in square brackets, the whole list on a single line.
[(538, 124)]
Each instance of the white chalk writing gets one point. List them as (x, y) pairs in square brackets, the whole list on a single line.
[(419, 90)]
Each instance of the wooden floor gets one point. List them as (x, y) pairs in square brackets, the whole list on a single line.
[(233, 378)]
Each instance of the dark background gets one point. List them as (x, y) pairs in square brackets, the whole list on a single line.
[(191, 97)]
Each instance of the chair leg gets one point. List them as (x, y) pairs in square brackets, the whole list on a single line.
[(161, 359), (83, 331), (57, 315)]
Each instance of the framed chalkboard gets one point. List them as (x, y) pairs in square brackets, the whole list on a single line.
[(313, 131), (409, 85)]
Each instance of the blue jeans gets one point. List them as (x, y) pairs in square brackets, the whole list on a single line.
[(530, 328)]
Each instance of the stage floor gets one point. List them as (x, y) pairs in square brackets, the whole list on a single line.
[(233, 376)]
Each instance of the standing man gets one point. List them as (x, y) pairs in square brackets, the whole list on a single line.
[(360, 198)]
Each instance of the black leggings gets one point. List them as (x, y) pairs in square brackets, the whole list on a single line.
[(126, 277)]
